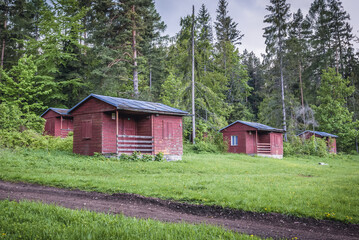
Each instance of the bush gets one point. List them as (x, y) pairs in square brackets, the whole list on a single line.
[(135, 157), (202, 146), (12, 119), (32, 139), (299, 146), (159, 157), (212, 143), (124, 157), (147, 158)]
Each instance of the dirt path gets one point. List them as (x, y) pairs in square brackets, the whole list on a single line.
[(263, 225)]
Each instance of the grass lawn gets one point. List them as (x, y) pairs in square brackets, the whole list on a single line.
[(295, 186), (28, 220)]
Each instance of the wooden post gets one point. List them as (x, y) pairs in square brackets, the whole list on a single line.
[(116, 131), (3, 45), (193, 99), (153, 135), (257, 141), (116, 124)]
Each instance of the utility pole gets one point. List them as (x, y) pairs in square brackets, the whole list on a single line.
[(193, 107)]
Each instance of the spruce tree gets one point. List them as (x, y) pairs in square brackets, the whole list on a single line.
[(140, 22), (297, 52), (204, 40), (275, 35), (321, 45)]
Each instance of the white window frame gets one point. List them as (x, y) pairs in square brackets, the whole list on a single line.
[(234, 140)]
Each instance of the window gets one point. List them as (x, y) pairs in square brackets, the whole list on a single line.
[(234, 140), (86, 129)]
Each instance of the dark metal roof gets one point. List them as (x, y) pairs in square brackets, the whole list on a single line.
[(61, 111), (134, 105), (322, 134), (259, 126)]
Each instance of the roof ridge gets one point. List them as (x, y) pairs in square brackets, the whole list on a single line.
[(134, 105)]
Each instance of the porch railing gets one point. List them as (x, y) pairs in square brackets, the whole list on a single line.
[(263, 148), (132, 143)]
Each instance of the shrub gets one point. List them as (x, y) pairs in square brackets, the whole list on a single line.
[(212, 143), (32, 139), (124, 157), (203, 146), (135, 156), (99, 156), (12, 119), (299, 146), (147, 158), (159, 157)]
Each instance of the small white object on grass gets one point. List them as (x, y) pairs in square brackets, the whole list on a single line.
[(321, 163)]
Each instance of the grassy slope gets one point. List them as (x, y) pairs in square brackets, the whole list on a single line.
[(297, 186), (26, 220)]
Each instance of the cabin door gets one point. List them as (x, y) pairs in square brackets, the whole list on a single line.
[(129, 126)]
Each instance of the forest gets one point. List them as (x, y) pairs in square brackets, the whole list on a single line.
[(55, 53)]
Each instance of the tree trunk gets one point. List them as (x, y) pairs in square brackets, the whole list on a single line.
[(134, 51), (150, 78), (301, 91), (301, 84), (193, 98), (282, 86), (3, 46)]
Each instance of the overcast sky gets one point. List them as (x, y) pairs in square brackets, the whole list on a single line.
[(249, 15)]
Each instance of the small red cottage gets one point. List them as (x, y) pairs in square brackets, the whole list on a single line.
[(253, 138), (110, 125), (58, 122), (329, 138)]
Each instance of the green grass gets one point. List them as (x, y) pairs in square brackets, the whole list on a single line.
[(28, 220), (295, 186)]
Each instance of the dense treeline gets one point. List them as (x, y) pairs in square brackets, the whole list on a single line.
[(55, 53)]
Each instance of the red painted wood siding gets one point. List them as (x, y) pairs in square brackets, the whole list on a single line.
[(332, 144), (53, 124), (247, 139), (251, 147), (167, 133), (127, 124), (103, 139), (240, 130), (93, 110), (108, 133), (276, 140), (67, 126)]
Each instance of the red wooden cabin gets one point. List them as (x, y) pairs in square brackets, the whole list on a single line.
[(253, 138), (111, 125), (58, 122), (329, 138)]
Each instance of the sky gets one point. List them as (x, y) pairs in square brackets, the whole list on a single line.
[(249, 15)]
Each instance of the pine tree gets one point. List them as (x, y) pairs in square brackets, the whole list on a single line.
[(204, 40), (322, 52), (226, 31), (275, 35), (226, 28), (140, 23), (256, 81), (17, 24), (297, 52)]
